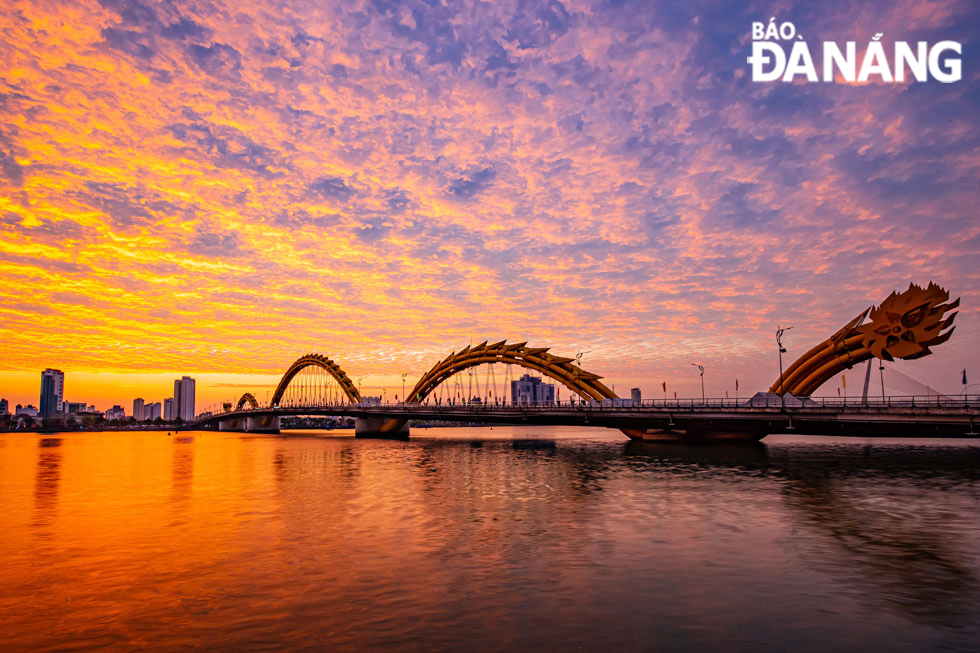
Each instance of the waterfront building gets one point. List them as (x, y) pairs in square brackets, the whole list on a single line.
[(116, 412), (184, 390), (152, 411), (168, 409), (4, 407), (635, 394), (138, 412), (52, 392), (531, 390), (28, 410), (74, 407)]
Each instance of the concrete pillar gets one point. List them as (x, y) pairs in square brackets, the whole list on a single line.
[(263, 424), (370, 427)]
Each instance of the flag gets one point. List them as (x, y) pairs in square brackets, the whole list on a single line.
[(964, 376), (665, 386), (675, 395), (843, 380), (736, 384), (838, 392), (726, 394)]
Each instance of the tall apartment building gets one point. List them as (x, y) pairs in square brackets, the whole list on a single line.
[(168, 409), (52, 392), (4, 407), (184, 389), (138, 409), (151, 411), (531, 390)]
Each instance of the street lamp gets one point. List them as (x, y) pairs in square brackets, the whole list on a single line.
[(701, 370), (404, 376), (881, 371), (782, 350)]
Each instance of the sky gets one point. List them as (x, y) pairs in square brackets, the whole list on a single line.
[(216, 189)]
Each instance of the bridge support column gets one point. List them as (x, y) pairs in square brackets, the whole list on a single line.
[(370, 427), (230, 425), (263, 424)]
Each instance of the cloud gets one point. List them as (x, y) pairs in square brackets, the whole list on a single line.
[(586, 175)]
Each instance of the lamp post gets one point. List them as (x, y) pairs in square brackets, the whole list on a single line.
[(404, 376), (701, 370), (881, 372), (782, 350)]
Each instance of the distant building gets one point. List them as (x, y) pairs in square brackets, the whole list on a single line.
[(531, 390), (4, 407), (52, 392), (138, 406), (184, 390), (635, 394), (75, 407), (28, 410), (116, 412), (168, 409), (152, 411)]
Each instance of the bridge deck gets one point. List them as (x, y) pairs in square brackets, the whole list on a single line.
[(898, 417)]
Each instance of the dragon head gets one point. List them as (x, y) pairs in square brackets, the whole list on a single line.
[(905, 325)]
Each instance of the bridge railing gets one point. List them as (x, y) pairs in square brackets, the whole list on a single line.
[(952, 402)]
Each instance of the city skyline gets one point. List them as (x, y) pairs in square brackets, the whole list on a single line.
[(216, 191)]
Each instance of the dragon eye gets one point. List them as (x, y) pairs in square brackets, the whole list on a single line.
[(913, 317), (908, 336)]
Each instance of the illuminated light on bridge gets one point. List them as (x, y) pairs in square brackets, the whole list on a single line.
[(905, 325)]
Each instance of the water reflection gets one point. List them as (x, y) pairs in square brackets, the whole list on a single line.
[(518, 541), (182, 472), (46, 482), (895, 520), (892, 515)]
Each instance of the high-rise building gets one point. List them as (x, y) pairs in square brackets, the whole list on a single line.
[(138, 406), (4, 407), (151, 411), (184, 390), (168, 409), (531, 390), (116, 412), (52, 392), (635, 394)]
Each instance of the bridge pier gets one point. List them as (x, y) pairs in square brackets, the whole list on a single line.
[(370, 427), (231, 425), (263, 424)]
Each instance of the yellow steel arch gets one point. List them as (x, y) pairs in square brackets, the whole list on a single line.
[(316, 360), (905, 326), (560, 368), (249, 399)]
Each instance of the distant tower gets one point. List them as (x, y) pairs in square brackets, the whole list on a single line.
[(184, 390), (151, 411), (138, 406), (4, 407), (530, 390), (52, 392), (168, 409)]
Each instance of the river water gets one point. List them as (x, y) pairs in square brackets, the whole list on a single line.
[(486, 539)]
